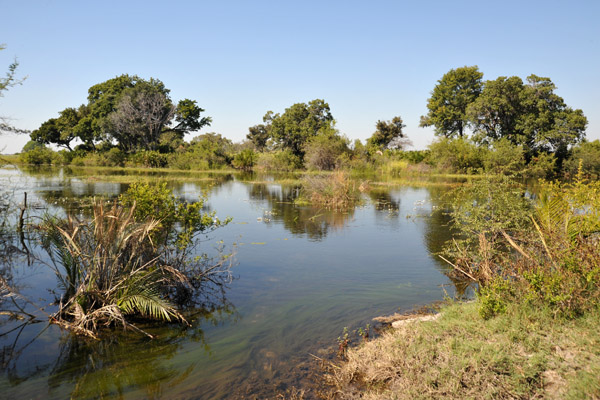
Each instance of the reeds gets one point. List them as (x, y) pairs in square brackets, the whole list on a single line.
[(336, 190)]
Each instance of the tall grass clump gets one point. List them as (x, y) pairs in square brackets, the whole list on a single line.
[(337, 190), (131, 260)]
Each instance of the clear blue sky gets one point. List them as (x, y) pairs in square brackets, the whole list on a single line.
[(369, 60)]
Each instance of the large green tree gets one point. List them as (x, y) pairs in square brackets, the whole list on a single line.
[(60, 131), (388, 135), (495, 113), (292, 129), (129, 110), (449, 101), (527, 114)]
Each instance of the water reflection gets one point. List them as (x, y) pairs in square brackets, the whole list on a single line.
[(313, 222), (119, 363)]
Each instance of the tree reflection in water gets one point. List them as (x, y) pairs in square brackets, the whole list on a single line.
[(313, 222)]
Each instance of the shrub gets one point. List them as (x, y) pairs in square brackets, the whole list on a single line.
[(131, 259), (551, 262), (149, 159), (245, 159), (456, 155), (504, 158), (283, 160), (324, 152), (542, 165), (38, 156), (588, 153)]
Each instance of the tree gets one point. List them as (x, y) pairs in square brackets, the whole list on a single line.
[(388, 135), (260, 134), (449, 101), (132, 111), (298, 124), (140, 116), (495, 113), (60, 131), (187, 117), (531, 115), (548, 123)]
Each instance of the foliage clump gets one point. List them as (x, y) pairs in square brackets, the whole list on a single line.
[(132, 258), (542, 252)]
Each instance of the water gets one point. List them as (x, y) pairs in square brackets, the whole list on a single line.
[(302, 275)]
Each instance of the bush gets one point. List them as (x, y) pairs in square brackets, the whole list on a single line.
[(31, 145), (456, 155), (325, 152), (187, 161), (337, 190), (131, 259), (245, 159), (38, 156), (283, 160), (504, 158), (551, 261), (542, 165), (149, 159), (588, 153)]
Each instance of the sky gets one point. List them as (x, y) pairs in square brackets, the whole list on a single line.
[(369, 60)]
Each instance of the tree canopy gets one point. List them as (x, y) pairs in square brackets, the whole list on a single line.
[(129, 110), (449, 101), (388, 135), (527, 114), (292, 129)]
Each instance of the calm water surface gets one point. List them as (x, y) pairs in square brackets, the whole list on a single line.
[(302, 275)]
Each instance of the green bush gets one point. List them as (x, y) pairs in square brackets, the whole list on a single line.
[(38, 156), (494, 297), (325, 152), (542, 165), (456, 155), (245, 159), (283, 160), (504, 158), (149, 159), (588, 153)]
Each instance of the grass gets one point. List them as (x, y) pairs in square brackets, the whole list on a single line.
[(524, 353), (336, 190)]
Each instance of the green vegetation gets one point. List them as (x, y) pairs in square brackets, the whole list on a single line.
[(531, 331), (135, 113), (518, 129), (131, 259)]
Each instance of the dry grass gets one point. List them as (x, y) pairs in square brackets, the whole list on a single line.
[(337, 190), (519, 355)]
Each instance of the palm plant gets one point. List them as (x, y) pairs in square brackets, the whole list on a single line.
[(110, 267)]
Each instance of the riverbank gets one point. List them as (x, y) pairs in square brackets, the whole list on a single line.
[(526, 353)]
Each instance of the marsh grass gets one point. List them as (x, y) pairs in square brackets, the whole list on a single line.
[(336, 190)]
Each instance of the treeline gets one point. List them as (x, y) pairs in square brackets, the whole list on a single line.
[(500, 126)]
